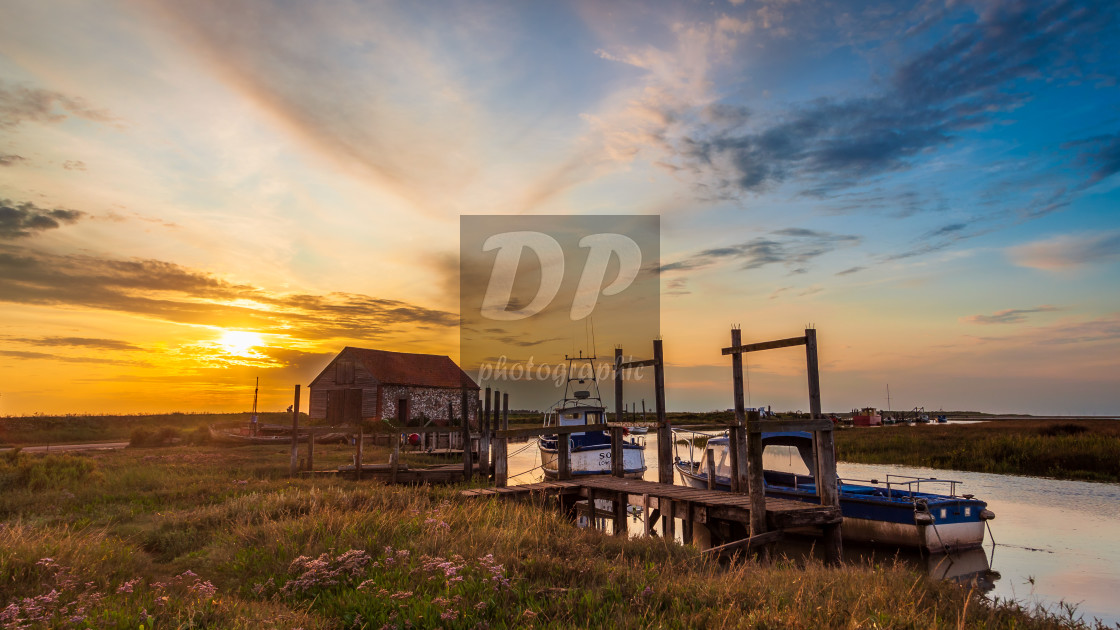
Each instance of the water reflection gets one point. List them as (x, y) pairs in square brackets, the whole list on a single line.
[(970, 568), (1055, 541)]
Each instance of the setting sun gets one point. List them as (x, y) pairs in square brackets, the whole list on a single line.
[(240, 342)]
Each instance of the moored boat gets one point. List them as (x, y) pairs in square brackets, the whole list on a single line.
[(590, 451), (895, 512), (241, 436)]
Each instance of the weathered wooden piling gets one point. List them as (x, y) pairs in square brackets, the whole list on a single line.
[(483, 442), (501, 444), (619, 406), (359, 452), (310, 451), (664, 428), (495, 422), (711, 469), (563, 457), (468, 465), (293, 466)]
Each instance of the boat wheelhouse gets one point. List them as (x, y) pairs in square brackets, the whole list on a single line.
[(896, 512)]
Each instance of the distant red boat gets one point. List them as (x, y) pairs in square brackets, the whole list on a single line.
[(867, 417)]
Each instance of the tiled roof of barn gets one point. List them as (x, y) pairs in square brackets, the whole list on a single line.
[(405, 368)]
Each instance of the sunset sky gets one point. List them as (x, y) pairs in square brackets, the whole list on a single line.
[(195, 194)]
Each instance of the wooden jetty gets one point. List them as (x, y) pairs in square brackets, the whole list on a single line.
[(707, 516), (717, 521)]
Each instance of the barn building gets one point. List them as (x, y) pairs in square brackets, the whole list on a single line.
[(361, 384)]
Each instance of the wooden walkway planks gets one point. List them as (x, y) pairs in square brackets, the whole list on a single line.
[(688, 503)]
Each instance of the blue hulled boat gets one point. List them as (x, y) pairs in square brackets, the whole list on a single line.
[(894, 512)]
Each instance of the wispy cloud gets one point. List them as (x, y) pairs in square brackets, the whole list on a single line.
[(963, 82), (1099, 330), (21, 354), (1008, 316), (170, 292), (20, 104), (1067, 251), (11, 159), (19, 220), (401, 102), (1101, 154), (77, 342), (793, 247)]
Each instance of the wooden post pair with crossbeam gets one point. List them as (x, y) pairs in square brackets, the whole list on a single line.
[(747, 436), (664, 428)]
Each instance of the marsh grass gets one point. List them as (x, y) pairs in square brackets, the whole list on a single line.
[(1088, 449), (75, 428), (191, 537)]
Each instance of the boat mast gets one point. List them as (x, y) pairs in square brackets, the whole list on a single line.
[(888, 399), (592, 391)]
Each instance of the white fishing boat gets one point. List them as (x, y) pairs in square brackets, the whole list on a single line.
[(590, 451)]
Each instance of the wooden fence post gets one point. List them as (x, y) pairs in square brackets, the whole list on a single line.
[(293, 466)]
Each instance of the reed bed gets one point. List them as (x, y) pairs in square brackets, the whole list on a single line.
[(1084, 449), (191, 537)]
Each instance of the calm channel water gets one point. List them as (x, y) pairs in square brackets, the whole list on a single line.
[(1055, 541)]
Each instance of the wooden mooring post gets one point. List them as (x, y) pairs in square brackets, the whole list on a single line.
[(484, 439), (464, 408), (293, 466), (310, 451), (563, 456), (501, 444), (823, 445), (495, 422), (358, 452), (664, 430)]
